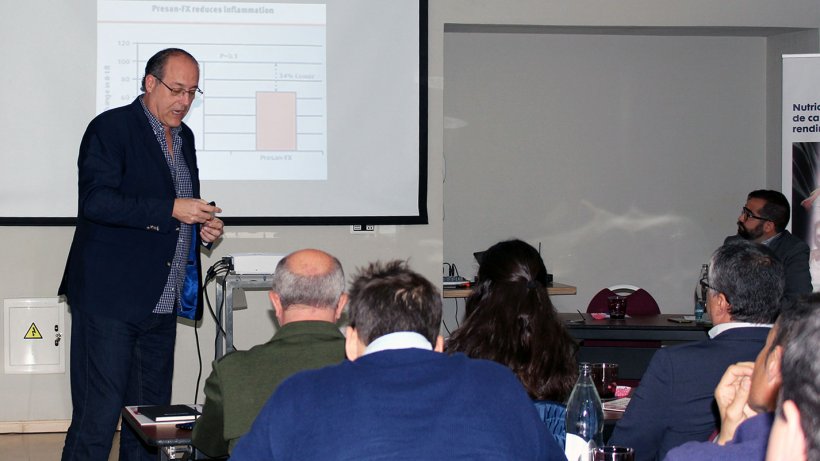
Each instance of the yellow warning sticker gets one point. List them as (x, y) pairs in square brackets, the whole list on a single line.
[(33, 332)]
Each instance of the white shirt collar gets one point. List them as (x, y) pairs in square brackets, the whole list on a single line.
[(718, 329), (398, 340)]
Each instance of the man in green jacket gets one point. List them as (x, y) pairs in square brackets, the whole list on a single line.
[(308, 297)]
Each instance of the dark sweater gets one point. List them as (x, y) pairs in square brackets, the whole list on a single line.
[(241, 382)]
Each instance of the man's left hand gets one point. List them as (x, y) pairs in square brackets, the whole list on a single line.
[(211, 230), (732, 395)]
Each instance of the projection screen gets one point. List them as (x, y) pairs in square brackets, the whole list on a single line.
[(312, 112)]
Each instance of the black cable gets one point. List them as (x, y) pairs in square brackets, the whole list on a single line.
[(199, 360), (449, 268), (221, 267), (457, 323)]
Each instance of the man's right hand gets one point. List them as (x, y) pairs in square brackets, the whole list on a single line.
[(732, 395), (193, 210)]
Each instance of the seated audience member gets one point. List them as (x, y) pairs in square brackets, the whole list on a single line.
[(673, 403), (308, 298), (795, 434), (763, 219), (397, 398), (746, 397), (509, 319)]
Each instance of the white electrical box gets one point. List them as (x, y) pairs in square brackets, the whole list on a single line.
[(34, 335)]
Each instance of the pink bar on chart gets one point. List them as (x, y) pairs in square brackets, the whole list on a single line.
[(275, 121)]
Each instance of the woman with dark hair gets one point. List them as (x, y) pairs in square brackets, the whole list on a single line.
[(509, 319)]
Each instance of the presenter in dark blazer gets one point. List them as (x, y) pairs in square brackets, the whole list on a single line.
[(140, 220), (675, 402)]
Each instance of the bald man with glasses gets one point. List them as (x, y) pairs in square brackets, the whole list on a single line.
[(763, 219)]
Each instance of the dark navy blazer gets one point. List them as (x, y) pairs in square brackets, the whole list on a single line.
[(674, 403), (794, 254), (125, 237)]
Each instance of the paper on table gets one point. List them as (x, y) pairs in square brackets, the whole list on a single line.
[(602, 315), (577, 449), (617, 404)]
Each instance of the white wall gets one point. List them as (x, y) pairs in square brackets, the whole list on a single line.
[(35, 256), (627, 156)]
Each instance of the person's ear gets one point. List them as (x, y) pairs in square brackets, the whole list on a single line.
[(150, 83), (277, 305), (439, 347), (769, 227), (340, 307), (721, 306), (773, 366), (354, 348)]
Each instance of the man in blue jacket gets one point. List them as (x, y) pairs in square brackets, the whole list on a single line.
[(134, 259), (674, 403), (747, 396), (398, 397)]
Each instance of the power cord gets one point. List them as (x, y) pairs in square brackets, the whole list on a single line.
[(221, 267), (452, 269)]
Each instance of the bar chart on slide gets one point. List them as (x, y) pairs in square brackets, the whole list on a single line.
[(263, 114)]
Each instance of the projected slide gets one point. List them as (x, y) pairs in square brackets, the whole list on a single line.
[(263, 115)]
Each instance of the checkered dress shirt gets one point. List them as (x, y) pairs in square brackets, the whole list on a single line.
[(184, 189)]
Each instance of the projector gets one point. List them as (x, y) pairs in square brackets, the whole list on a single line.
[(255, 263)]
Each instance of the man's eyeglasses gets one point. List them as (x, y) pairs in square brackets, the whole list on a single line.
[(177, 92), (705, 284), (747, 213)]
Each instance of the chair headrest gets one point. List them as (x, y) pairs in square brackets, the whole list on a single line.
[(638, 303)]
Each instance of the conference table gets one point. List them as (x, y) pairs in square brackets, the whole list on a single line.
[(553, 289), (642, 335)]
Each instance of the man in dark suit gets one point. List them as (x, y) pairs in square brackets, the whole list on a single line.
[(747, 395), (140, 222), (674, 402), (308, 297), (763, 220)]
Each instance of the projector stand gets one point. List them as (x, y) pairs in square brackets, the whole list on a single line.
[(225, 286)]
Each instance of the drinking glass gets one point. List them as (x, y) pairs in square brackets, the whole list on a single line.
[(617, 307), (605, 377), (613, 453)]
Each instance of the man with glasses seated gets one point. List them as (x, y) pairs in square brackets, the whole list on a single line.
[(675, 401), (763, 220)]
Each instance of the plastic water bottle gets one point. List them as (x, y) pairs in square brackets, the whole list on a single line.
[(700, 301), (585, 414)]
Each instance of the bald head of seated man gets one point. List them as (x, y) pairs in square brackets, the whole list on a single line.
[(308, 297)]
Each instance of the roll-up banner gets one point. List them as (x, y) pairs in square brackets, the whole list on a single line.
[(801, 147)]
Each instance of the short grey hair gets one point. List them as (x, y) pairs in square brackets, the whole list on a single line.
[(323, 291), (752, 279)]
